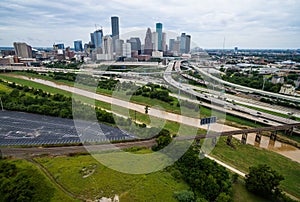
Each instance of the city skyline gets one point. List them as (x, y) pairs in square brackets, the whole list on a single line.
[(247, 24)]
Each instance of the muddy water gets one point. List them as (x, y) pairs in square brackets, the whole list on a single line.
[(275, 146)]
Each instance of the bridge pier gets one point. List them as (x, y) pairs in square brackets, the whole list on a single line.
[(214, 141), (289, 131), (258, 137), (244, 138), (229, 138), (273, 136)]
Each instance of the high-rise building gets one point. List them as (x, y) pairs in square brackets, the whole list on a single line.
[(188, 44), (92, 39), (154, 41), (182, 43), (135, 44), (23, 50), (115, 30), (159, 28), (118, 47), (148, 43), (126, 50), (98, 34), (78, 46), (164, 42), (171, 44), (115, 27), (108, 47), (176, 47)]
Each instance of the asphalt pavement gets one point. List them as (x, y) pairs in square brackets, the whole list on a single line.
[(18, 128)]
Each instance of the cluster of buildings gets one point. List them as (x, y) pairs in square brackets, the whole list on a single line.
[(103, 47), (112, 47)]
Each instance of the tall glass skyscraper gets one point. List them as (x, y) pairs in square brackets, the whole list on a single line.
[(115, 27), (159, 28), (98, 34), (78, 46)]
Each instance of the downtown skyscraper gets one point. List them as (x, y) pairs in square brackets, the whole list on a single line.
[(148, 43), (115, 27), (159, 28), (115, 31)]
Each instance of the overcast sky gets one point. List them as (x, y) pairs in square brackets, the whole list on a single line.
[(243, 23)]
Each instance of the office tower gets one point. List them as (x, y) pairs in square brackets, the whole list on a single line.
[(115, 30), (107, 47), (171, 44), (118, 46), (159, 28), (126, 50), (154, 41), (188, 44), (176, 47), (182, 43), (23, 50), (78, 46), (164, 42), (148, 43), (135, 44), (115, 27), (98, 34), (92, 39)]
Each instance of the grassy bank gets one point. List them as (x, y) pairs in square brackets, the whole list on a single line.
[(245, 156)]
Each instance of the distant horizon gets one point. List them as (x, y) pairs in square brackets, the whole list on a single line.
[(250, 23), (240, 49)]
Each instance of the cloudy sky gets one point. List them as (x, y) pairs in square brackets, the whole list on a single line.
[(243, 23)]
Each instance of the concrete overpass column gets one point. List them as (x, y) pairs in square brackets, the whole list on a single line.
[(273, 136), (229, 138), (258, 137), (289, 131), (214, 141), (244, 138)]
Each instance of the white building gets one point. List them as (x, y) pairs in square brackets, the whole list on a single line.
[(155, 41), (287, 89), (157, 54), (126, 50)]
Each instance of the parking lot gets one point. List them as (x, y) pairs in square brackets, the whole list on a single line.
[(18, 128)]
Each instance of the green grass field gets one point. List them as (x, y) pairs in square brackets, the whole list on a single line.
[(245, 156), (105, 182), (241, 194), (58, 194)]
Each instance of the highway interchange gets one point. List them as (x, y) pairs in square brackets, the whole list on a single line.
[(210, 98)]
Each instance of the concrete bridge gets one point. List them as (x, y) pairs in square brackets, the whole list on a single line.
[(287, 128)]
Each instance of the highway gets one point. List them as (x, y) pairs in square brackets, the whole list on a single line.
[(261, 92), (222, 105)]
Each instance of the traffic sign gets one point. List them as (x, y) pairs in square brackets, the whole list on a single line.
[(209, 120)]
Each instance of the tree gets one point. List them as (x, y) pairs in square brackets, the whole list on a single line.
[(263, 180), (185, 196), (146, 109)]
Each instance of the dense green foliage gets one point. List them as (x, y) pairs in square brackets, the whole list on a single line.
[(19, 184), (264, 181), (206, 178), (164, 139), (154, 91), (23, 98), (253, 80), (64, 65)]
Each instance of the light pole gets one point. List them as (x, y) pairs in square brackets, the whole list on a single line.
[(1, 104)]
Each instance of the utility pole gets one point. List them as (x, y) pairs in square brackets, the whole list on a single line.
[(1, 104)]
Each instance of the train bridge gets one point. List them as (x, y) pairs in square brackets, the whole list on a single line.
[(287, 128)]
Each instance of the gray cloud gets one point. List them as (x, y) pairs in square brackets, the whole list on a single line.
[(247, 23)]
